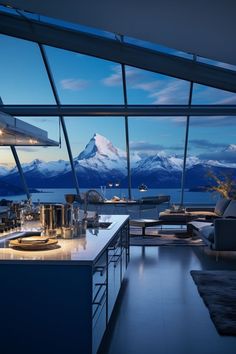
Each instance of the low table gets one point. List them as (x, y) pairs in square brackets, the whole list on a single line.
[(175, 218), (143, 223)]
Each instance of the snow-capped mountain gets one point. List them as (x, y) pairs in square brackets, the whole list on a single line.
[(3, 171), (101, 162), (101, 155), (48, 169)]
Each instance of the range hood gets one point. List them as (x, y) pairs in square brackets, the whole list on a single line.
[(14, 131)]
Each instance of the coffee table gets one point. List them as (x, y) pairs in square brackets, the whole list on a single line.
[(175, 218), (143, 223)]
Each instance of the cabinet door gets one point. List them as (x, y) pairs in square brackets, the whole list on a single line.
[(99, 307), (99, 326), (114, 272)]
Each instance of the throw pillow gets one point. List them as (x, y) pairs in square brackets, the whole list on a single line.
[(230, 211), (221, 206)]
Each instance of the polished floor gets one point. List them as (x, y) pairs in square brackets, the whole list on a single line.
[(159, 309)]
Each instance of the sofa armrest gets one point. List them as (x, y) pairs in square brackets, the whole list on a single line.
[(225, 235)]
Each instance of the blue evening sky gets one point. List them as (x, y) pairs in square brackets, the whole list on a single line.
[(81, 79)]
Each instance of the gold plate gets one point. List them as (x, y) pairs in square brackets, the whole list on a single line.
[(33, 246)]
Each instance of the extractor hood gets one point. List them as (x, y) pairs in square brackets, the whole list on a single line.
[(14, 131)]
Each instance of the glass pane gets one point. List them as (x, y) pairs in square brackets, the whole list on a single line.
[(98, 146), (81, 79), (23, 76), (145, 87), (209, 95), (156, 149), (46, 169), (11, 187), (212, 150)]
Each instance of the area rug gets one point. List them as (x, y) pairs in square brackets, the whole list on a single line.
[(159, 237), (218, 290)]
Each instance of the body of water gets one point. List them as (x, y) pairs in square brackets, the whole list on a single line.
[(58, 195)]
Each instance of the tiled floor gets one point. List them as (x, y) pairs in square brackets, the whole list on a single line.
[(160, 311)]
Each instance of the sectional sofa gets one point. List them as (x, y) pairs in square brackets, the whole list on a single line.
[(218, 230)]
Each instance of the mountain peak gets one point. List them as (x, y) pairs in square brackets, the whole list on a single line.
[(98, 144)]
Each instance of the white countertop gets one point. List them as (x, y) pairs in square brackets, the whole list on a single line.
[(68, 251)]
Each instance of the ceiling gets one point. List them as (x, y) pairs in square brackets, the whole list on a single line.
[(204, 27)]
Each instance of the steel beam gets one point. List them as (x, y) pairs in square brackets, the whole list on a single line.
[(117, 51), (118, 110)]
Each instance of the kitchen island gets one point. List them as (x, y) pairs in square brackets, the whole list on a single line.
[(60, 300)]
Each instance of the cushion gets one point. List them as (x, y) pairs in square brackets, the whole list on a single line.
[(208, 233), (221, 205), (230, 211)]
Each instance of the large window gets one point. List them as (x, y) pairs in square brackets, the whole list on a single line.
[(212, 150), (98, 146), (156, 149)]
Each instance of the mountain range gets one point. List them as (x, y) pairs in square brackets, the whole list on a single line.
[(101, 162)]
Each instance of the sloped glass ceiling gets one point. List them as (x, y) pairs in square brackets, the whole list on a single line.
[(81, 79), (22, 73), (156, 143)]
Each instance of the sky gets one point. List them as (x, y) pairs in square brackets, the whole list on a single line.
[(81, 79)]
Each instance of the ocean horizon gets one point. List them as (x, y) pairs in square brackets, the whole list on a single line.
[(57, 195)]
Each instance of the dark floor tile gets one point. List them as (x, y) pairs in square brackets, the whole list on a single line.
[(159, 309)]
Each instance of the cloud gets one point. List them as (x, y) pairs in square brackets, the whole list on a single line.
[(161, 89), (115, 79), (223, 156), (74, 84), (209, 95), (143, 146), (201, 143), (171, 92), (212, 122)]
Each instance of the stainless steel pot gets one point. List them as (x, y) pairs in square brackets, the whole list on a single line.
[(52, 216)]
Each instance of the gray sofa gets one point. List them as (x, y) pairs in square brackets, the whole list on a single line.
[(220, 234), (208, 212)]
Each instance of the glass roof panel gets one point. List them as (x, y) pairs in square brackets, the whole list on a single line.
[(145, 87), (208, 95), (84, 79), (23, 76)]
